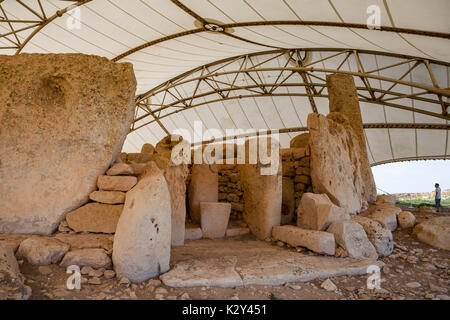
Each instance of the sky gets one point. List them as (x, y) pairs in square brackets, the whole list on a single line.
[(412, 176)]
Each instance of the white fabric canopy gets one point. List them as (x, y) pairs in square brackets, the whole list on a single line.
[(164, 39)]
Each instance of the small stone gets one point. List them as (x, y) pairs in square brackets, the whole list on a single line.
[(429, 296), (86, 270), (95, 273), (94, 281), (171, 298), (154, 282), (293, 286), (328, 285), (159, 297), (235, 297), (280, 243), (443, 297), (161, 291), (125, 281), (44, 270), (109, 274), (413, 285), (267, 239), (185, 296)]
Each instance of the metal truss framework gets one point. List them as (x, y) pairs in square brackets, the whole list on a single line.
[(174, 100), (42, 19)]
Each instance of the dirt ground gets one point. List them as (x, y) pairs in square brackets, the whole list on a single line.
[(413, 271)]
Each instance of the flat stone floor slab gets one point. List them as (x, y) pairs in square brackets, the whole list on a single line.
[(241, 261)]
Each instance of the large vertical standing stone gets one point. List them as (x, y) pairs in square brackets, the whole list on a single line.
[(204, 187), (335, 165), (141, 247), (12, 285), (175, 175), (64, 119), (344, 99), (262, 195)]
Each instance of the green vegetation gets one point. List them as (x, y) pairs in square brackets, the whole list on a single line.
[(273, 297), (417, 202)]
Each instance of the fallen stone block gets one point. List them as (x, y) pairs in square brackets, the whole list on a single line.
[(387, 217), (234, 232), (435, 232), (108, 197), (95, 258), (42, 251), (214, 219), (88, 240), (116, 183), (352, 237), (317, 241), (406, 220), (193, 234), (317, 212), (386, 198), (95, 217), (379, 236)]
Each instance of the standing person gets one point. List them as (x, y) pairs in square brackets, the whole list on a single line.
[(437, 196)]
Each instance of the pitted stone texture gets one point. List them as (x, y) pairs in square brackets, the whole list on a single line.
[(214, 218), (288, 202), (406, 219), (116, 183), (435, 232), (317, 241), (42, 251), (95, 217), (142, 241), (11, 280), (317, 212), (120, 169), (108, 197), (203, 187), (387, 216), (336, 163), (379, 236), (352, 237), (343, 98), (95, 258), (88, 240), (64, 120)]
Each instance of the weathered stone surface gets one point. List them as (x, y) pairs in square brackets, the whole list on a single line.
[(343, 98), (214, 218), (142, 241), (203, 187), (300, 141), (13, 241), (435, 232), (406, 219), (386, 198), (119, 169), (148, 148), (42, 251), (89, 240), (193, 234), (218, 272), (352, 237), (64, 120), (427, 209), (234, 232), (387, 217), (95, 217), (379, 236), (317, 241), (288, 202), (108, 197), (336, 163), (94, 257), (317, 212), (11, 280), (176, 175), (116, 183), (138, 168), (263, 190)]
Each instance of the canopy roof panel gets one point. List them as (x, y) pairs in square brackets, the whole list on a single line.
[(260, 63)]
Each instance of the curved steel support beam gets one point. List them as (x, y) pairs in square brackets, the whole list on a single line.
[(436, 157)]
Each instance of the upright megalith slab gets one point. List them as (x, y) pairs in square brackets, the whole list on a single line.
[(335, 163), (141, 247), (343, 98), (203, 187), (176, 174), (64, 119), (262, 187)]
